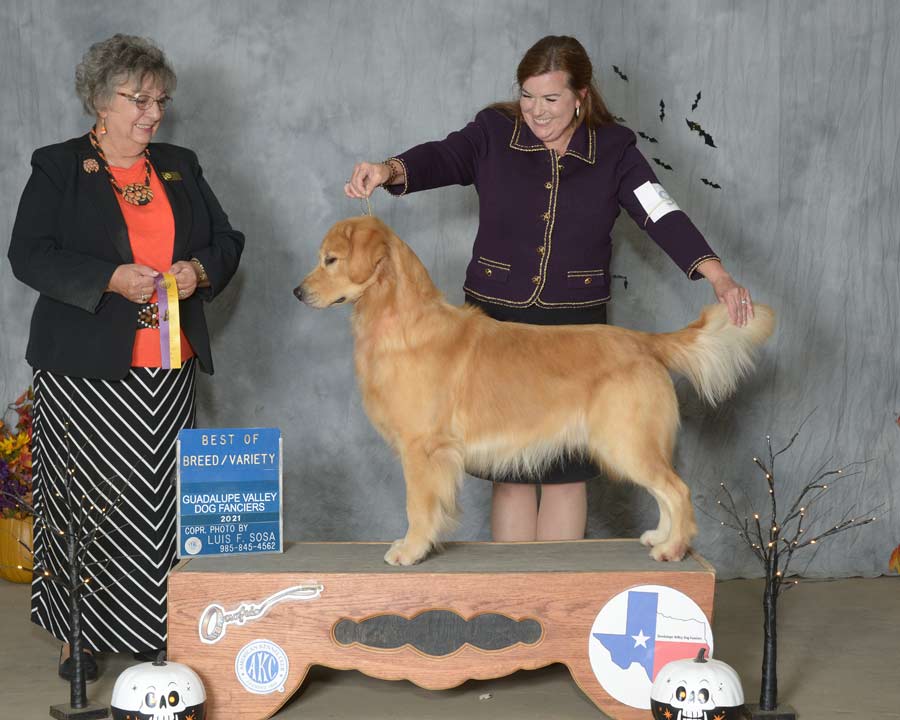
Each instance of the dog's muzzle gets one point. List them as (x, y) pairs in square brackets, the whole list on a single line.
[(311, 298)]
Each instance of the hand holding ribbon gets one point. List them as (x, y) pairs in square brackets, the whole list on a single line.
[(185, 278)]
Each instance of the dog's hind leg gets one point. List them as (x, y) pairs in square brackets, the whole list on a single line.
[(655, 537), (647, 467), (632, 432), (676, 498), (432, 475)]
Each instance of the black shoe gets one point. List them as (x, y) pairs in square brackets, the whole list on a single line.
[(67, 668), (148, 655)]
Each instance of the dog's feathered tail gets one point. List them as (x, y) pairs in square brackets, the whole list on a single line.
[(712, 352)]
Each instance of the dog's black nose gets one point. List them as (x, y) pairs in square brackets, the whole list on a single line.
[(298, 293)]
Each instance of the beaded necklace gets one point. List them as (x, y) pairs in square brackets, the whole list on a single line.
[(135, 193)]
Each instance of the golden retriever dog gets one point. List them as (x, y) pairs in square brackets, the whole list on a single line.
[(452, 390)]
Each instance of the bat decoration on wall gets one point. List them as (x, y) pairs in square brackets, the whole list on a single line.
[(662, 110), (696, 102), (695, 127), (711, 183), (662, 164), (618, 119), (620, 73), (647, 137)]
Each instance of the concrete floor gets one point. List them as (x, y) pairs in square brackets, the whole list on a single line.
[(839, 657)]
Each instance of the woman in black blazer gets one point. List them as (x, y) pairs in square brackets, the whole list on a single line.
[(110, 228)]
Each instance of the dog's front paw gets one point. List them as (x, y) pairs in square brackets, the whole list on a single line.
[(669, 552), (652, 538), (403, 552)]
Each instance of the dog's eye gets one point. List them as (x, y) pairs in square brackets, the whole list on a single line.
[(330, 260)]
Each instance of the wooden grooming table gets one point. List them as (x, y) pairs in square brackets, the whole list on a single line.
[(471, 611)]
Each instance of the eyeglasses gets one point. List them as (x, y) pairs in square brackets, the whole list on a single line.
[(143, 102)]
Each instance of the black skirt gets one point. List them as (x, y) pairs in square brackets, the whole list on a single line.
[(563, 470), (123, 430)]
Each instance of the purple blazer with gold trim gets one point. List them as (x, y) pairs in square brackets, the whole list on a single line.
[(545, 219)]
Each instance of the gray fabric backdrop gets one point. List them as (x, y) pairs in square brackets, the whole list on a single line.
[(280, 98)]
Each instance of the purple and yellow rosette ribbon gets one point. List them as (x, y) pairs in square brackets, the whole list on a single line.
[(169, 321)]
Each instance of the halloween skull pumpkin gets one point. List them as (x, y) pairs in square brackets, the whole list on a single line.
[(698, 689), (158, 691)]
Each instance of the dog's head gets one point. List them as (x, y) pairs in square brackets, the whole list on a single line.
[(349, 259)]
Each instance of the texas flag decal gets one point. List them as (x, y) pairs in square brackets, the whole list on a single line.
[(640, 630)]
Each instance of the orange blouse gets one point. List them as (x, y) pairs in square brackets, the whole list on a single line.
[(151, 232)]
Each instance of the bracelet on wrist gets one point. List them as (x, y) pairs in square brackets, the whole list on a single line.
[(392, 176), (200, 270)]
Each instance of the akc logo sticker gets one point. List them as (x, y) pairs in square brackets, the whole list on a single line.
[(262, 667)]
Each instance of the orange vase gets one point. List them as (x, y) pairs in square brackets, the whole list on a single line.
[(12, 553)]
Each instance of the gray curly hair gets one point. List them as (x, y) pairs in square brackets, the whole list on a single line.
[(117, 60)]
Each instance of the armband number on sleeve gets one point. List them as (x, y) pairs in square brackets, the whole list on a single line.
[(655, 200)]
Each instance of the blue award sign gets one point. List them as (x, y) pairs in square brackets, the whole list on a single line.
[(229, 491)]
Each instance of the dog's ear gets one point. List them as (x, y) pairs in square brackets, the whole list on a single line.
[(368, 247)]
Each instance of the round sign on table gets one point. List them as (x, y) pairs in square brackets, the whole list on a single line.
[(638, 632)]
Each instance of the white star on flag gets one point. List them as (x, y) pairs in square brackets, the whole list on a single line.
[(640, 639)]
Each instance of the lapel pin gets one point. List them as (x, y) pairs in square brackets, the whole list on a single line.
[(91, 166)]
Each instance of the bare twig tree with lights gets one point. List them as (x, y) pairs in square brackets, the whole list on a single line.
[(86, 520), (774, 542)]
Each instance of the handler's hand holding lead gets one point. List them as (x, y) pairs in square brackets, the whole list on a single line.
[(365, 178)]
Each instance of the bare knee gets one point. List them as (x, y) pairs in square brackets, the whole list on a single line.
[(563, 512), (514, 512)]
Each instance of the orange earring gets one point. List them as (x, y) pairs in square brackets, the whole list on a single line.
[(102, 126)]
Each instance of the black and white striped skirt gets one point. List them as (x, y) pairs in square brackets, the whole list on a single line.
[(124, 430)]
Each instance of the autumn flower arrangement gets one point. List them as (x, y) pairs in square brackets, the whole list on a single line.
[(15, 458)]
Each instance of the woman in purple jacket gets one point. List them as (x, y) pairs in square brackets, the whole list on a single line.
[(551, 172)]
